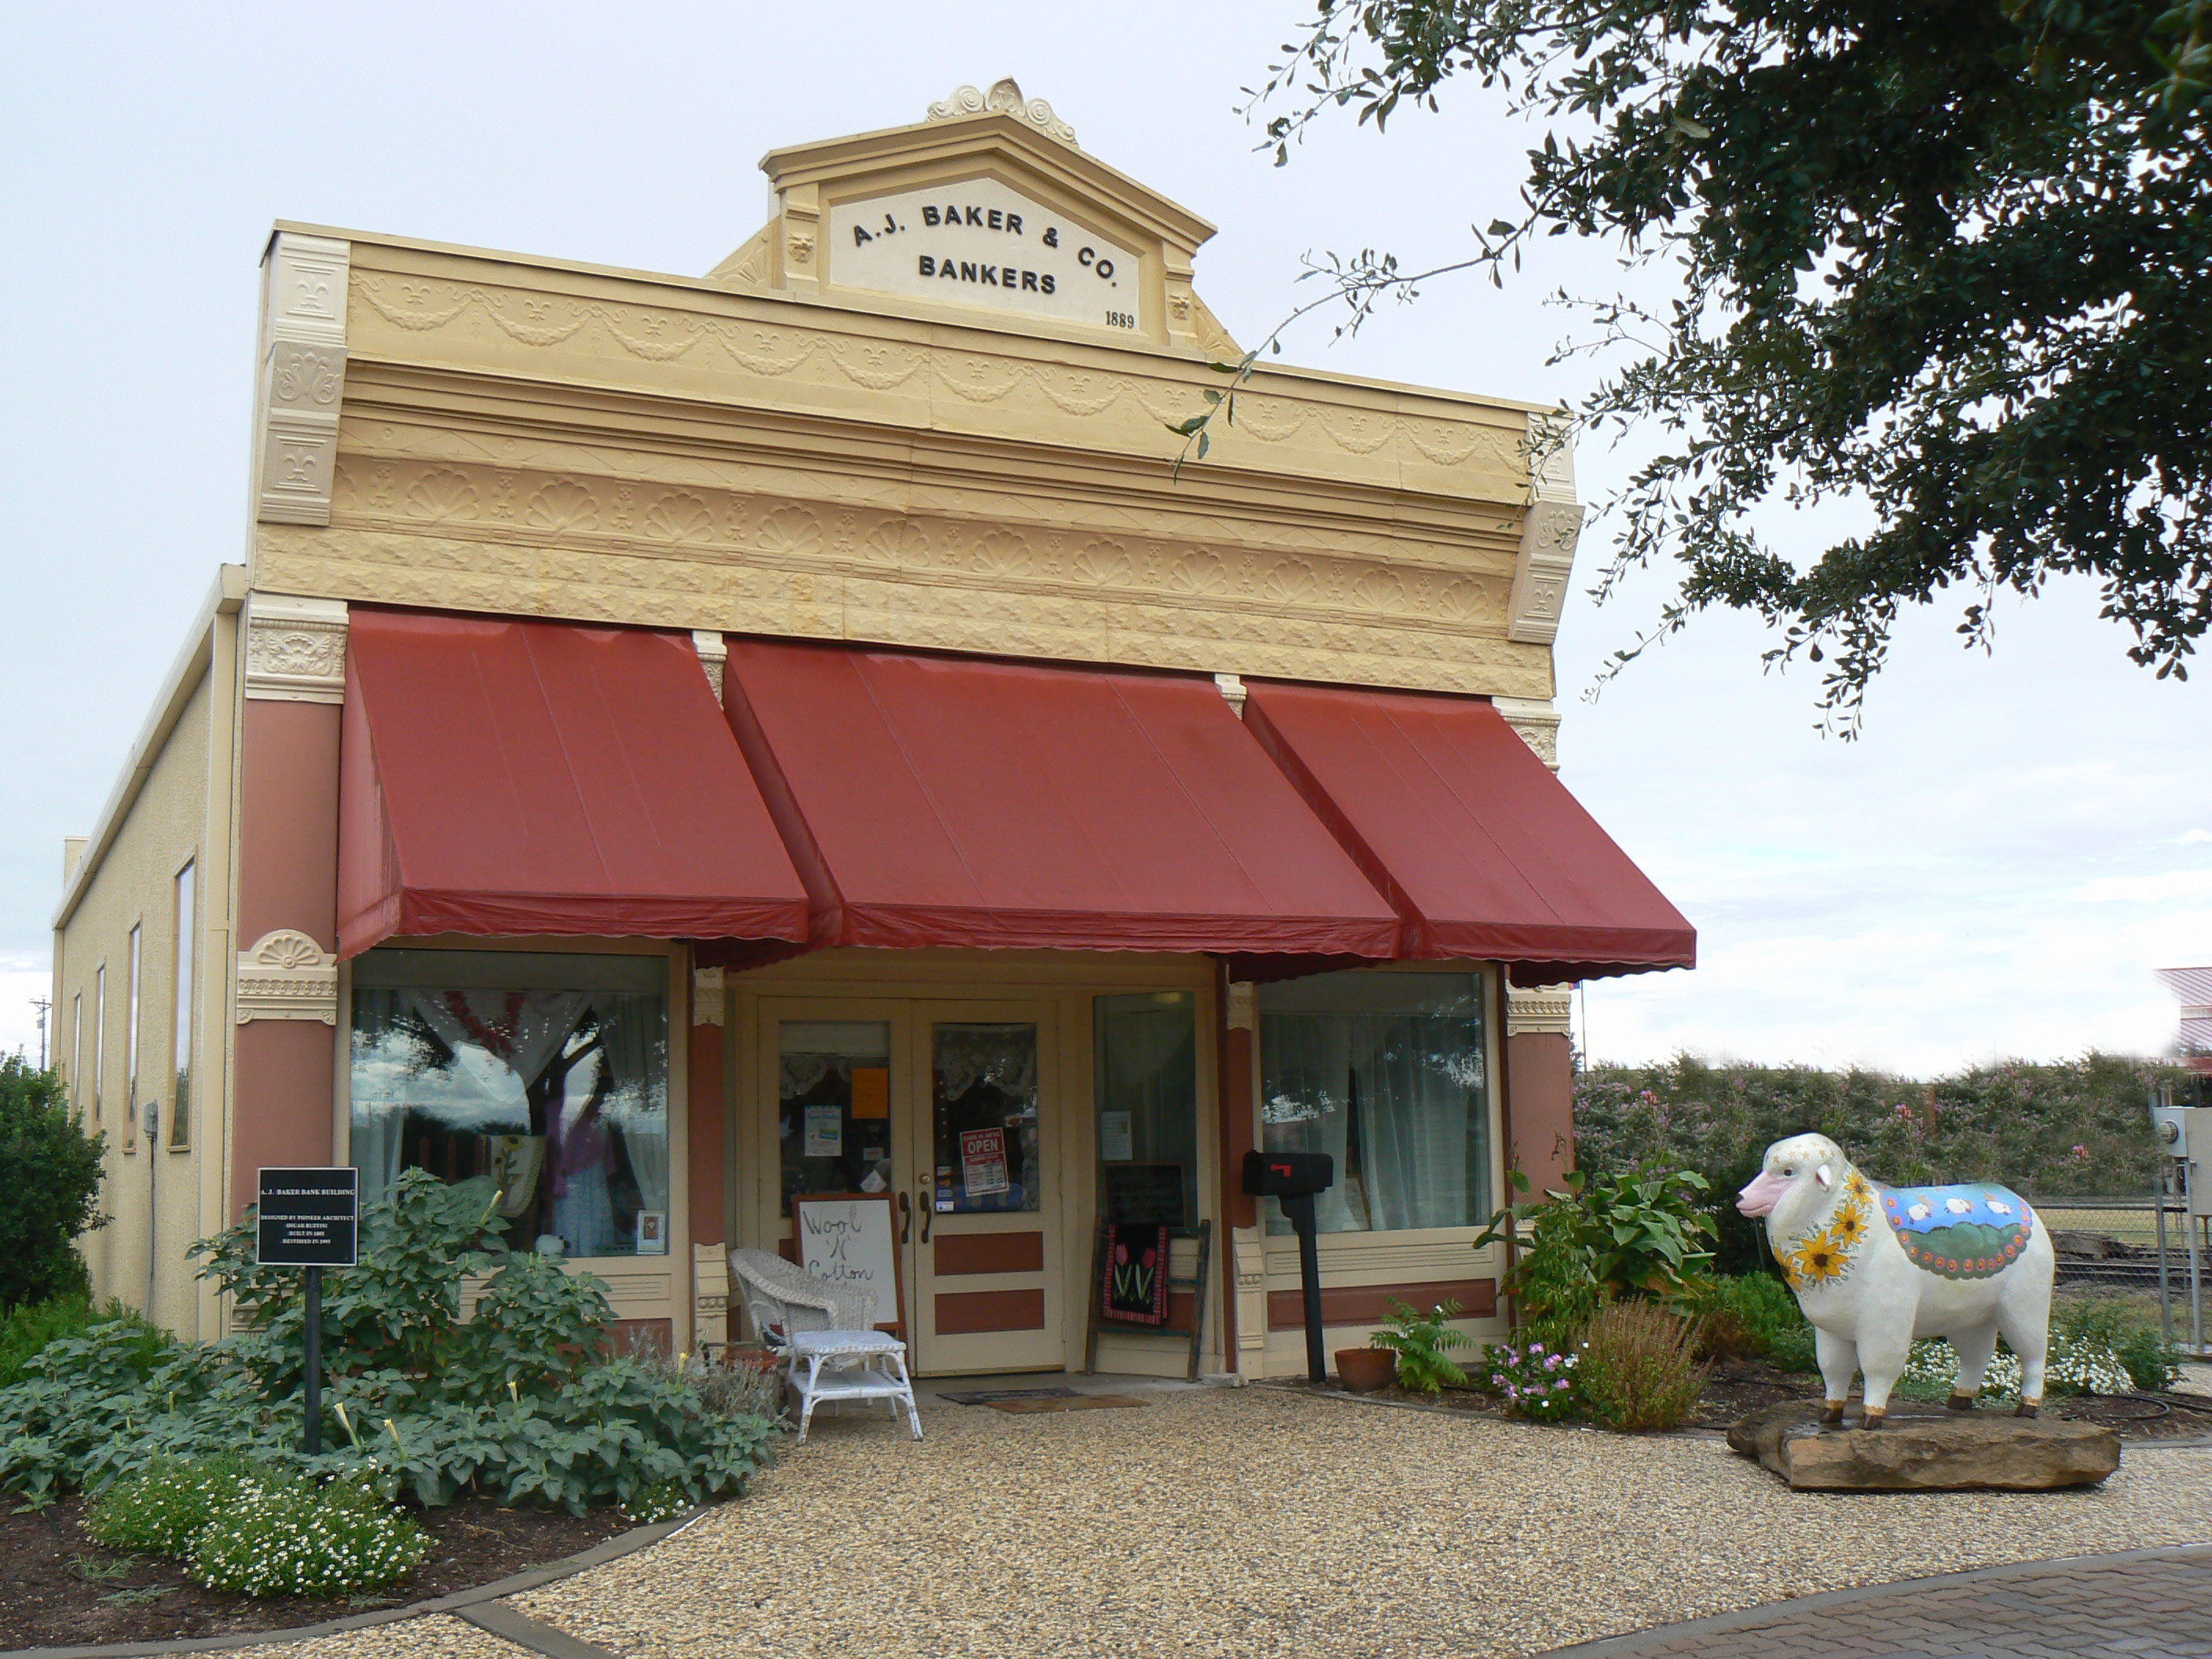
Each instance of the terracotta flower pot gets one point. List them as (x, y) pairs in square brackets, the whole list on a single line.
[(1366, 1371), (740, 1356)]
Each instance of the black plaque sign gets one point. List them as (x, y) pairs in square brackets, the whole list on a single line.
[(309, 1217)]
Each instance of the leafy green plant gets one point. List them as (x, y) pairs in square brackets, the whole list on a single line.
[(1421, 1341), (162, 1508), (521, 1402), (2153, 1363), (1536, 1380), (1753, 1314), (27, 1329), (290, 1535), (50, 1176), (1639, 1366), (1601, 1236)]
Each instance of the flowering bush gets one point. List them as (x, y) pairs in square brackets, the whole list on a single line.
[(286, 1535), (1640, 1367), (2072, 1367), (160, 1510), (1536, 1380)]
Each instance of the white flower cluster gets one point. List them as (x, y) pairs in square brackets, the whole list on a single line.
[(292, 1538), (2077, 1367), (662, 1501)]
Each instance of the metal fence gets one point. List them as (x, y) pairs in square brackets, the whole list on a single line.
[(2112, 1244)]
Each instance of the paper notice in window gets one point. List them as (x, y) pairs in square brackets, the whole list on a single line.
[(872, 1092), (1114, 1141), (825, 1132), (983, 1161)]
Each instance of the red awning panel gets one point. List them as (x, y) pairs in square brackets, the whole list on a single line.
[(1482, 851), (946, 801), (505, 778)]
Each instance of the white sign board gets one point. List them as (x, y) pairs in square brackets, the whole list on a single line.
[(852, 1240), (983, 244)]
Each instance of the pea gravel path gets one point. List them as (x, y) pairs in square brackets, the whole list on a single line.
[(437, 1636), (1259, 1522)]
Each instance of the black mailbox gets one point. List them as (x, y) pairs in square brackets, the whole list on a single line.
[(1294, 1179), (1288, 1174)]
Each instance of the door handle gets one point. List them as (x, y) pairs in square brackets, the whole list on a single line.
[(928, 1213), (906, 1217)]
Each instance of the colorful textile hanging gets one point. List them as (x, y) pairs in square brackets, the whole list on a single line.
[(1134, 1288)]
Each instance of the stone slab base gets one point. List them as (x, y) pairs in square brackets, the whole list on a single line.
[(1916, 1450)]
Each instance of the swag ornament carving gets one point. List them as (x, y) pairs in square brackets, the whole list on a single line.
[(287, 975)]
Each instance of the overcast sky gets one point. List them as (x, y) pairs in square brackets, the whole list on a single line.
[(1994, 870)]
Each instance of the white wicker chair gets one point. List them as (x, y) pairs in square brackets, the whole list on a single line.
[(826, 1334)]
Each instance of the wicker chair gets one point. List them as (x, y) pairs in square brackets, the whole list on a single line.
[(826, 1333)]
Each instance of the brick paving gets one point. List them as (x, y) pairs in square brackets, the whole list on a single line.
[(2145, 1604)]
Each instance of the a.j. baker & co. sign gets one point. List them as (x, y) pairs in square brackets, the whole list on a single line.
[(983, 244)]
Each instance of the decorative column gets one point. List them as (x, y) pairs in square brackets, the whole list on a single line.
[(286, 981), (1247, 1263)]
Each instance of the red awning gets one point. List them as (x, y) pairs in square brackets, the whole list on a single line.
[(946, 801), (1482, 851), (526, 777)]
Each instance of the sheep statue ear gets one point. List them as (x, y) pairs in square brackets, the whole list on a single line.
[(1822, 1175)]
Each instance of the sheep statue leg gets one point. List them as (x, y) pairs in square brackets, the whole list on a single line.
[(1974, 1349), (1839, 1360), (1882, 1354), (2031, 1339)]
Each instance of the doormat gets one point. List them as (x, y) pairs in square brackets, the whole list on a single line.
[(992, 1396), (1073, 1402)]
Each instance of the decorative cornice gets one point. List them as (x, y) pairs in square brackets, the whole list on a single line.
[(1542, 1010), (287, 975), (713, 655), (295, 648), (303, 377), (1537, 722), (708, 986), (1005, 98), (1549, 529)]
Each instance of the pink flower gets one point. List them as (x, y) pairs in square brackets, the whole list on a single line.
[(2083, 1154)]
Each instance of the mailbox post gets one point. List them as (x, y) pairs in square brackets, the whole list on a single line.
[(309, 1218), (1294, 1179)]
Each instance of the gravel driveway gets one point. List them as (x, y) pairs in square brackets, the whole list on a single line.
[(1262, 1522)]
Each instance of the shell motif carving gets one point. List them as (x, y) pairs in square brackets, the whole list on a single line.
[(286, 974), (1005, 98)]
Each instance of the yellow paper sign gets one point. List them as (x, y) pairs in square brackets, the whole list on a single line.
[(872, 1092)]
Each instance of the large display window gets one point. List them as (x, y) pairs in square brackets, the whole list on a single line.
[(1386, 1073), (546, 1073)]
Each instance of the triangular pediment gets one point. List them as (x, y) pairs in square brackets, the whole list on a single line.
[(989, 209)]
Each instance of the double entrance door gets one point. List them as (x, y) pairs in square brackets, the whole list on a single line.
[(949, 1110)]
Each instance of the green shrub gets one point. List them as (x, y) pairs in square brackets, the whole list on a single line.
[(1600, 1237), (162, 1507), (521, 1403), (1639, 1366), (1420, 1341), (1752, 1314), (289, 1536), (50, 1174), (2153, 1363), (2011, 1122)]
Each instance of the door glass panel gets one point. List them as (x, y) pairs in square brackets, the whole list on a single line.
[(1146, 1050), (984, 1086), (834, 1106)]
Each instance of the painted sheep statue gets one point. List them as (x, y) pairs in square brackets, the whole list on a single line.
[(1875, 1266)]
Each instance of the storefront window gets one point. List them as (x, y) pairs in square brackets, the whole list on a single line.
[(1147, 1050), (1385, 1072), (545, 1074), (984, 1090), (834, 1107)]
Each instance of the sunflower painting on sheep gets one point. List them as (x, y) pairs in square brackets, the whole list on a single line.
[(1970, 1263)]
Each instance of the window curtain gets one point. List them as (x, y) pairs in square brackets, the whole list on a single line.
[(1420, 1092), (637, 1047), (1306, 1106)]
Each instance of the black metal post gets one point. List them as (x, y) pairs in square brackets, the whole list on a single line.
[(314, 1437), (1300, 1209)]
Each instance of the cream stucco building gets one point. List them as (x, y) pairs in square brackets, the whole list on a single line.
[(679, 743)]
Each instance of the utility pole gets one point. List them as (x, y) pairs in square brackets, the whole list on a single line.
[(42, 1005)]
